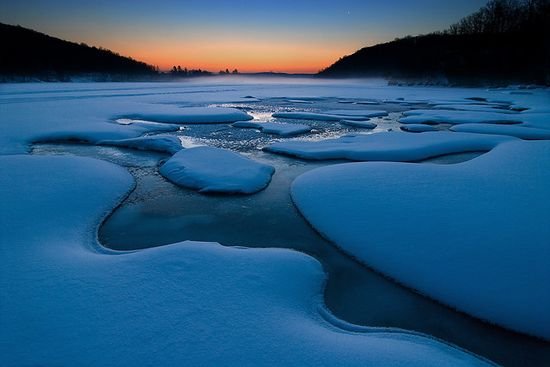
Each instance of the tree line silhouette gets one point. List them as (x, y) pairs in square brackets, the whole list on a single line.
[(505, 41), (178, 71), (29, 53)]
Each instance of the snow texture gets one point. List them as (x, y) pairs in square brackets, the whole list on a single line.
[(417, 128), (66, 301), (315, 116), (358, 113), (458, 117), (157, 143), (519, 131), (474, 235), (360, 124), (276, 128), (389, 146), (196, 115), (214, 170)]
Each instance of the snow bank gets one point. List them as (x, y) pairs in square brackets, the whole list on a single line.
[(474, 235), (209, 169), (389, 146), (195, 115), (158, 143), (359, 123), (519, 131), (276, 128), (458, 117), (66, 301)]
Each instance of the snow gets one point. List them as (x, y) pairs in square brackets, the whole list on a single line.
[(158, 143), (418, 128), (361, 124), (519, 131), (358, 113), (276, 128), (65, 300), (195, 115), (211, 170), (68, 301), (473, 107), (474, 235), (310, 116), (458, 117), (389, 146), (333, 115)]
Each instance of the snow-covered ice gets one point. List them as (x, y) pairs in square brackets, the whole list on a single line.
[(417, 128), (64, 299), (358, 113), (332, 115), (312, 116), (474, 107), (458, 117), (68, 301), (195, 115), (209, 170), (365, 124), (473, 235), (519, 131), (157, 143), (389, 146), (276, 128)]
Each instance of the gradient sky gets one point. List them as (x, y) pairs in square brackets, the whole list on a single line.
[(284, 35)]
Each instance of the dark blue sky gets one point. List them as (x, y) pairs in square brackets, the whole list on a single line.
[(284, 35)]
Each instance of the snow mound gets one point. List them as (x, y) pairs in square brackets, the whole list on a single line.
[(358, 123), (474, 235), (281, 129), (389, 146), (209, 169), (158, 143), (519, 131), (68, 302), (418, 128), (458, 117), (195, 115)]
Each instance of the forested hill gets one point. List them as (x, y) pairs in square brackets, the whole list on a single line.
[(506, 40), (27, 53)]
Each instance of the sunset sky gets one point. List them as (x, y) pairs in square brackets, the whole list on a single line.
[(284, 36)]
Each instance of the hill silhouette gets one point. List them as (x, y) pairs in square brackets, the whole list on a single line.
[(506, 41), (31, 54)]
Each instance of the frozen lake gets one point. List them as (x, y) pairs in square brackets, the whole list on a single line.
[(157, 212)]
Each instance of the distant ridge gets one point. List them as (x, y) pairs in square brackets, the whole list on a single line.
[(30, 54), (506, 41)]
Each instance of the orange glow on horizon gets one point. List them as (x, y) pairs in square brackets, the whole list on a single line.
[(246, 56)]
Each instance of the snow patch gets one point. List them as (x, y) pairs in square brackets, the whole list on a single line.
[(458, 117), (210, 170), (67, 301), (359, 123), (519, 131), (473, 235), (195, 115), (389, 146), (158, 143), (418, 128)]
